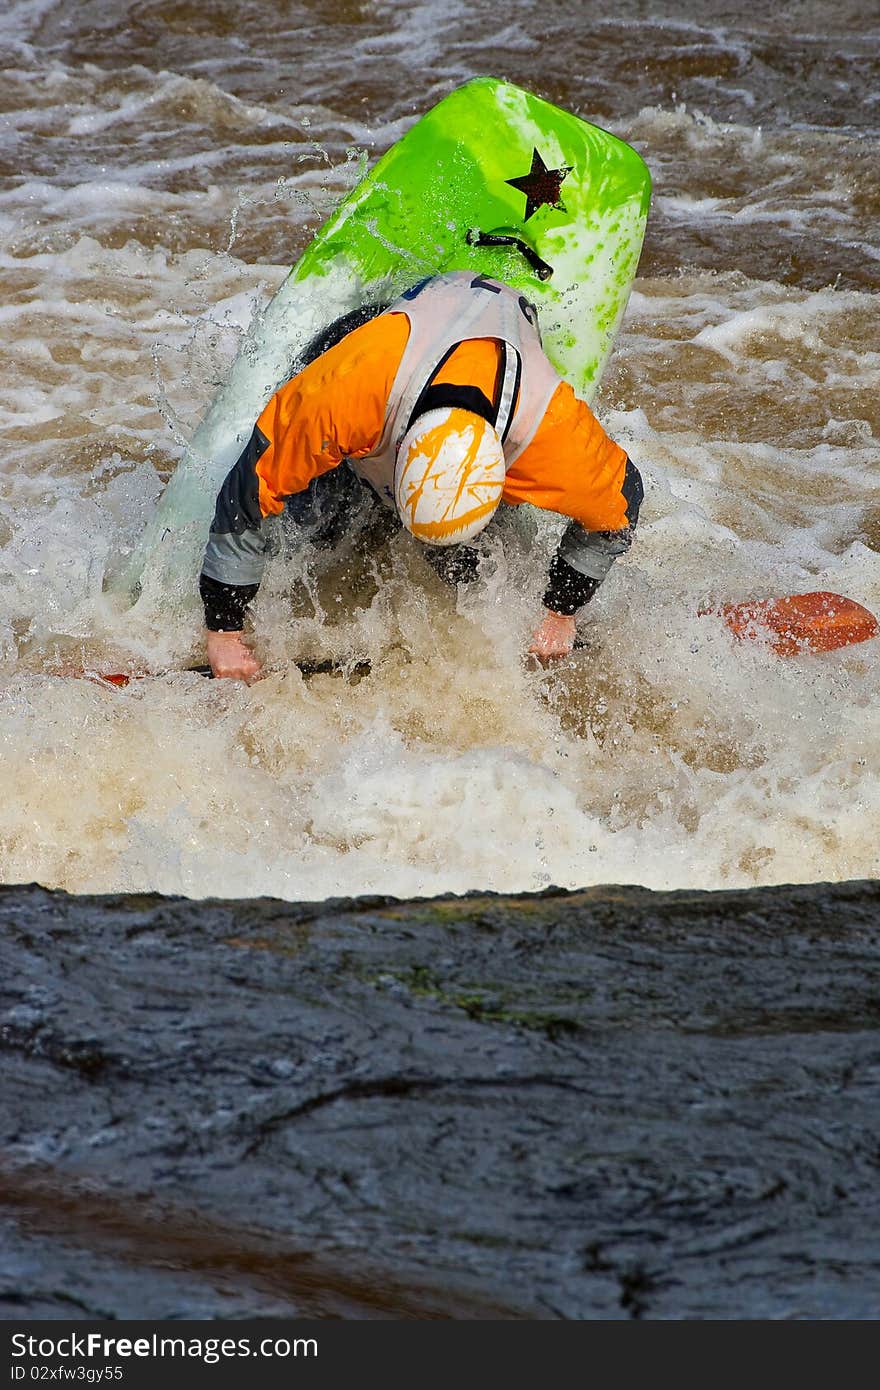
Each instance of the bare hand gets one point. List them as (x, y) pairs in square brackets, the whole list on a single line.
[(231, 658), (554, 638)]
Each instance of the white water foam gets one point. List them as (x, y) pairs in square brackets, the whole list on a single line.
[(665, 753)]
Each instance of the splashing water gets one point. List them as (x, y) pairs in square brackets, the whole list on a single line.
[(159, 177)]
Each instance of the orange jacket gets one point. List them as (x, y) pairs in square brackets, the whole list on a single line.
[(335, 409)]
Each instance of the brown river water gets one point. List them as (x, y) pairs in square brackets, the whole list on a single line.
[(161, 167)]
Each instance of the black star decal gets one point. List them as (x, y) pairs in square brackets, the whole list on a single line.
[(541, 186)]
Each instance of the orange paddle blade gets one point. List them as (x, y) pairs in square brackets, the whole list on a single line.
[(818, 622)]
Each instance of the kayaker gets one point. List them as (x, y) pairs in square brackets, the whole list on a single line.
[(443, 406)]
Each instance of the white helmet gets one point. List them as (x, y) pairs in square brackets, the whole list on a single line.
[(448, 476)]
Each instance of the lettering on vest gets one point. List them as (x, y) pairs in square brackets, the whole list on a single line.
[(417, 288), (479, 283), (530, 313)]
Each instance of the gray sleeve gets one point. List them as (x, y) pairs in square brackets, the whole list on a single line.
[(592, 553), (237, 544), (583, 558), (236, 559)]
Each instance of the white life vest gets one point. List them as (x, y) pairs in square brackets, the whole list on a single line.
[(443, 312)]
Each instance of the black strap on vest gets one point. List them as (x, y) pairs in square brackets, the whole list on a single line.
[(466, 397), (446, 394)]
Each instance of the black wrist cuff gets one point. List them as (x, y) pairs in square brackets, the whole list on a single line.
[(568, 589), (225, 604)]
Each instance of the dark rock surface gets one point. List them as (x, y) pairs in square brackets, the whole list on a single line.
[(605, 1104)]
